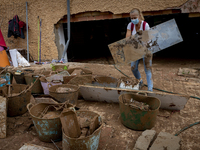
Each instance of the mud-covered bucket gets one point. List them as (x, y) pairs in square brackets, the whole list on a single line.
[(17, 102), (47, 129), (37, 87), (90, 142), (137, 119), (71, 95)]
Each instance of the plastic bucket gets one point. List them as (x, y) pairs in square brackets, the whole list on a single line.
[(4, 59), (71, 96), (88, 143), (37, 87), (7, 77), (137, 119), (47, 129), (45, 84), (17, 104)]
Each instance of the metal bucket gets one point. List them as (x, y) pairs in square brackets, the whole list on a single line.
[(88, 143), (37, 87), (65, 96), (47, 129), (137, 119), (17, 104)]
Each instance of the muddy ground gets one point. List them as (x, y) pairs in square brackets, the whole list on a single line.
[(114, 135)]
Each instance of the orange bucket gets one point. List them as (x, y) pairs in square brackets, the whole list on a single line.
[(4, 59)]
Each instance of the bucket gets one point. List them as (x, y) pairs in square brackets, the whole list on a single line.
[(37, 87), (45, 84), (17, 104), (71, 96), (47, 129), (5, 79), (138, 119), (90, 142), (4, 59)]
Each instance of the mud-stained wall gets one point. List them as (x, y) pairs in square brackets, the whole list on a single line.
[(52, 11)]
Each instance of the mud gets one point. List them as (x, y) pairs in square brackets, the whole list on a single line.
[(148, 60), (136, 105), (128, 81), (64, 90), (51, 115), (70, 123)]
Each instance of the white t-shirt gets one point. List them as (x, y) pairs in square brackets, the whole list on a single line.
[(141, 27)]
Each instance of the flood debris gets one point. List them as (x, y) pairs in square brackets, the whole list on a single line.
[(88, 125), (70, 123), (64, 89), (128, 83), (189, 72), (137, 105)]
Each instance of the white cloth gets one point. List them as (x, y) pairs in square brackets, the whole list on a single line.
[(18, 59), (141, 27)]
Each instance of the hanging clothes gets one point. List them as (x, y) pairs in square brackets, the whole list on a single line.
[(16, 28), (2, 42)]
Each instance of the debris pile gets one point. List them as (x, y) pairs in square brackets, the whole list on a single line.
[(137, 105), (79, 125), (64, 89)]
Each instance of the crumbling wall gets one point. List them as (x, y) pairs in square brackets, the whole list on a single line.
[(51, 11)]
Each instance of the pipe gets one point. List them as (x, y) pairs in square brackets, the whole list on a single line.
[(68, 32), (27, 31)]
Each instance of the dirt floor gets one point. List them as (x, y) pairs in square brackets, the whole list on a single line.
[(114, 135)]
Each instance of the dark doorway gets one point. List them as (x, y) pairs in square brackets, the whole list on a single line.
[(90, 39)]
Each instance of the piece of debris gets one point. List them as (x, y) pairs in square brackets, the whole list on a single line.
[(188, 72), (166, 141), (64, 89), (51, 114), (128, 83), (77, 72), (144, 141), (70, 123), (3, 117), (84, 132), (84, 122), (137, 105), (28, 146), (94, 125)]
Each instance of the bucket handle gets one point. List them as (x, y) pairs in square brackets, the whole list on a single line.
[(56, 80), (141, 93), (49, 86), (29, 105)]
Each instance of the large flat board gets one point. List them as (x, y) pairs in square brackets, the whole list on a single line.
[(135, 47)]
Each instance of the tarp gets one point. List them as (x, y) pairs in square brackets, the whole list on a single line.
[(2, 42)]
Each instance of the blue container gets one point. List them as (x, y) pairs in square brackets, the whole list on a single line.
[(7, 77)]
